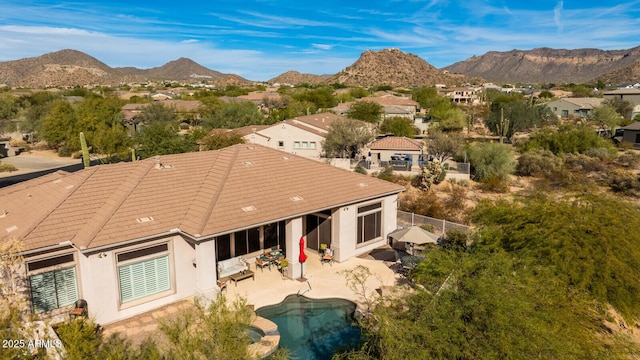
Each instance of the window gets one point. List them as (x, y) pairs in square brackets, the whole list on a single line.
[(369, 222), (55, 288), (247, 241), (312, 145), (280, 144), (296, 144), (274, 235), (305, 145), (565, 113), (223, 247), (143, 272)]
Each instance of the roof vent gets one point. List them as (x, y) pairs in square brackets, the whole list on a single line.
[(285, 158), (248, 163), (145, 219), (69, 187), (249, 208), (250, 147), (362, 185), (296, 198), (4, 213), (12, 228)]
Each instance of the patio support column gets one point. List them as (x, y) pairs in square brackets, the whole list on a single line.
[(294, 232), (415, 166), (206, 272)]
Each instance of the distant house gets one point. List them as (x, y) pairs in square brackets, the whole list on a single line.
[(631, 134), (400, 152), (393, 106), (132, 237), (630, 94), (576, 107), (461, 95), (302, 135)]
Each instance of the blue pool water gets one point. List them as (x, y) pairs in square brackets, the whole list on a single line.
[(313, 329)]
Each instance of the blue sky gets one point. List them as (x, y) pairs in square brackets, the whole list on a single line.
[(260, 39)]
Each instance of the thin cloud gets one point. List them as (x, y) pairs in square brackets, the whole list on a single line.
[(557, 15)]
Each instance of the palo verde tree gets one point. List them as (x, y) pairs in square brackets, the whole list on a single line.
[(345, 138), (399, 126), (364, 110)]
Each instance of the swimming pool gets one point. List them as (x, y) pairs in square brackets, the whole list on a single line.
[(314, 328)]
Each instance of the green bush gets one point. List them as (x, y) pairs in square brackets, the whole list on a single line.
[(491, 160), (360, 169), (538, 163), (568, 140)]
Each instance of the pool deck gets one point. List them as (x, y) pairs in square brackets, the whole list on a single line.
[(270, 287)]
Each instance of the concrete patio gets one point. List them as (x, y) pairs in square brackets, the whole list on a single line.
[(270, 287)]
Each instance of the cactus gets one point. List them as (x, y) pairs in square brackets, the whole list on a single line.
[(85, 151)]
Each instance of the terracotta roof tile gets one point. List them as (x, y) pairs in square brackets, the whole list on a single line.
[(396, 143), (201, 193)]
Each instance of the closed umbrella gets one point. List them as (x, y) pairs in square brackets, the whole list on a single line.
[(303, 257)]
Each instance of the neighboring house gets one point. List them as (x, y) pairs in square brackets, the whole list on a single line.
[(393, 106), (630, 94), (464, 95), (631, 134), (400, 152), (576, 107), (302, 135), (131, 237)]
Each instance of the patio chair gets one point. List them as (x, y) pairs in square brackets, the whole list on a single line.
[(262, 263), (80, 309), (327, 257)]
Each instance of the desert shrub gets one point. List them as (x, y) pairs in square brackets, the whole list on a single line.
[(428, 227), (7, 168), (65, 151), (455, 204), (360, 169), (567, 139), (386, 174), (629, 159), (601, 153), (491, 160), (425, 203), (456, 240), (582, 162), (495, 184), (538, 163), (624, 181)]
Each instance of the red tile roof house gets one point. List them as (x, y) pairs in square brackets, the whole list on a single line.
[(384, 149), (132, 237)]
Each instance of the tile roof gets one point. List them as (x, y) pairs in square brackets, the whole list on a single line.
[(396, 143), (200, 194), (633, 126), (321, 121), (585, 103)]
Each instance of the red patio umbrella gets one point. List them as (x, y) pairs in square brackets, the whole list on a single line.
[(303, 257)]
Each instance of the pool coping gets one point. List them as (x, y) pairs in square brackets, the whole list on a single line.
[(269, 343)]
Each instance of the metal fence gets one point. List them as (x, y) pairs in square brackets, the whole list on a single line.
[(441, 226)]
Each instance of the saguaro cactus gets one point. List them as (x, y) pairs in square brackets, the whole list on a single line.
[(85, 151)]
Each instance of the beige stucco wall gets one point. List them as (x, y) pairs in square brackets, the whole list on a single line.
[(288, 135), (99, 281)]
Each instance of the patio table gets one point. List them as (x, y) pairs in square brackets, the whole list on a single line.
[(241, 276)]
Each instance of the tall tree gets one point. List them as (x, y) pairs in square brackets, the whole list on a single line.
[(364, 110), (235, 114), (346, 138), (399, 126), (443, 146), (491, 160), (8, 111)]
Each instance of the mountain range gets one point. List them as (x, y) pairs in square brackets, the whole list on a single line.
[(385, 67)]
